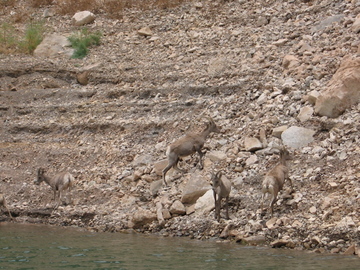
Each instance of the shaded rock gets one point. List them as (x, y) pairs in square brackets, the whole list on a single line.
[(343, 90), (160, 165), (82, 18), (254, 240), (280, 243), (155, 186), (297, 137)]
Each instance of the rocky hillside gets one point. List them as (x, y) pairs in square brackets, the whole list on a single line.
[(255, 67)]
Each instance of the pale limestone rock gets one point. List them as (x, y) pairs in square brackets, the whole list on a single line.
[(160, 165), (82, 18), (252, 144), (305, 113), (54, 45), (205, 204), (177, 208), (356, 25), (278, 131), (145, 31), (290, 62), (215, 156), (312, 97), (251, 160)]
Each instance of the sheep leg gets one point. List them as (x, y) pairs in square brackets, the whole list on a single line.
[(227, 207), (201, 154), (215, 204), (291, 184), (5, 205), (272, 204)]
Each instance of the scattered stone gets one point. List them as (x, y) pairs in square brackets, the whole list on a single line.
[(278, 131), (305, 113), (145, 31)]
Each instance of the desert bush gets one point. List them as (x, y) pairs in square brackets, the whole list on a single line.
[(40, 3), (7, 3), (33, 36), (8, 40), (83, 39), (73, 6)]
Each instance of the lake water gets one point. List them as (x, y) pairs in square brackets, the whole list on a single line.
[(24, 246)]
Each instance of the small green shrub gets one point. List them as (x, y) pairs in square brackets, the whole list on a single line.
[(82, 40), (33, 36), (8, 39)]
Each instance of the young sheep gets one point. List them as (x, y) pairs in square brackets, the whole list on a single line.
[(275, 178), (3, 203), (59, 182), (221, 189), (187, 145)]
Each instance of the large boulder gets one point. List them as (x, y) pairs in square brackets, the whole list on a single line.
[(194, 189), (343, 90), (54, 45), (297, 137)]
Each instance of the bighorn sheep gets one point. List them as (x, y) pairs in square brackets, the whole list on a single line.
[(187, 145), (59, 182), (3, 203), (221, 188), (275, 178)]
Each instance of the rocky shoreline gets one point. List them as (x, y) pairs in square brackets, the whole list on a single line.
[(257, 68)]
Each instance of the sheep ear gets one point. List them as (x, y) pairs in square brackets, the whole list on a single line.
[(219, 174)]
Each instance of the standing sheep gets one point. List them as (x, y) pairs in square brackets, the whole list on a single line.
[(58, 183), (274, 180), (221, 189)]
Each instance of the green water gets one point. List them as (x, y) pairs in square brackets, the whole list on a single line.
[(47, 247)]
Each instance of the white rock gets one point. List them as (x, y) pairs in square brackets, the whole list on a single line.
[(297, 137), (82, 18)]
